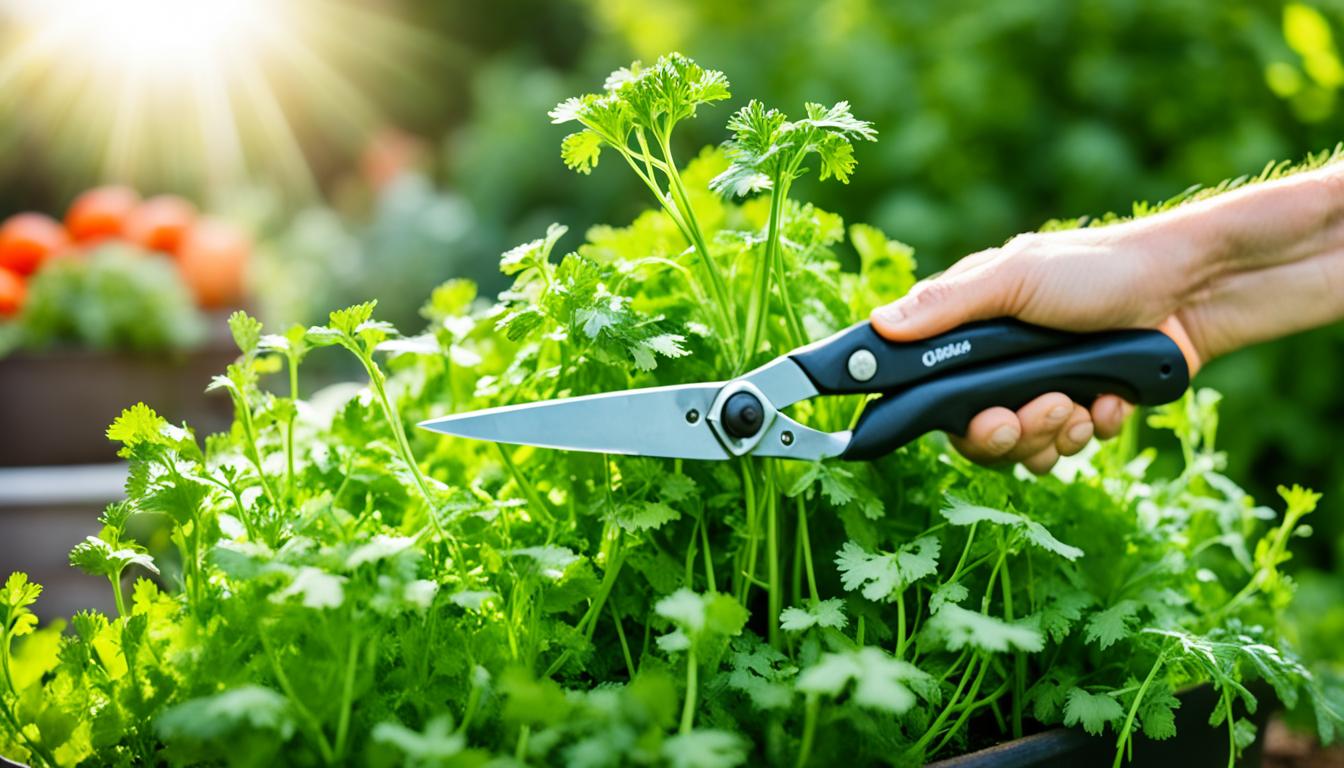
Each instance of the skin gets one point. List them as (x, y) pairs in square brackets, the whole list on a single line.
[(1248, 266)]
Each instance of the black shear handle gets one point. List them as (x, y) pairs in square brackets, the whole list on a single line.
[(858, 361), (1144, 367)]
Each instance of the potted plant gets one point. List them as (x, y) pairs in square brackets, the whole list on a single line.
[(341, 587), (109, 306)]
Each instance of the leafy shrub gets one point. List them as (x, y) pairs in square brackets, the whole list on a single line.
[(116, 297), (346, 588)]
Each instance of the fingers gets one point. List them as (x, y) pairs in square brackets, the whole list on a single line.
[(990, 435), (1042, 420), (1109, 414), (1041, 462), (1039, 433), (1076, 432), (980, 289)]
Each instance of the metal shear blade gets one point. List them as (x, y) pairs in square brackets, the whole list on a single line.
[(682, 421)]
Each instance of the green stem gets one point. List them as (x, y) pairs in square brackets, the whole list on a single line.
[(588, 623), (469, 712), (33, 747), (1126, 733), (520, 749), (966, 712), (5, 674), (717, 284), (625, 646), (289, 428), (810, 710), (689, 579), (323, 746), (1019, 659), (746, 570), (965, 551), (253, 451), (399, 434), (797, 336), (900, 624), (347, 696), (709, 557), (776, 597), (115, 578), (688, 707), (685, 222), (194, 560), (919, 746), (615, 560), (807, 549), (759, 304), (534, 499)]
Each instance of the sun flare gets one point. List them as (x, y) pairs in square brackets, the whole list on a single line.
[(199, 93)]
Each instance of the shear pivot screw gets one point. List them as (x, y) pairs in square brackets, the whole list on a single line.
[(743, 415), (862, 365)]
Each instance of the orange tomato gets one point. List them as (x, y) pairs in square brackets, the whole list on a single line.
[(389, 153), (213, 258), (12, 292), (28, 239), (160, 223), (100, 213)]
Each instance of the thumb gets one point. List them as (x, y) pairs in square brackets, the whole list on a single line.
[(943, 303)]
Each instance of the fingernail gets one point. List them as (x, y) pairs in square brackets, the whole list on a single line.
[(1003, 438), (1059, 412), (1081, 433), (890, 314)]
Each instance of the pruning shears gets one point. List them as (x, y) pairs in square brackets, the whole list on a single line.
[(936, 383)]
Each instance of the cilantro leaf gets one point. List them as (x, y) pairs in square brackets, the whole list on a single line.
[(827, 613), (959, 512), (958, 627), (883, 575), (703, 748), (1107, 627), (224, 714), (879, 681), (1092, 710)]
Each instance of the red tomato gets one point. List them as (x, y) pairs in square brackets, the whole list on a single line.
[(12, 291), (28, 239), (389, 153), (213, 258), (100, 213), (160, 223)]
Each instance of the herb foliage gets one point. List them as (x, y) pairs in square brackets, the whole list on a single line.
[(342, 588)]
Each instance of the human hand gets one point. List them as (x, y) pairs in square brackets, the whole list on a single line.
[(1246, 266)]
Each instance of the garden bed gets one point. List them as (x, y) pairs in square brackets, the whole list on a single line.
[(1196, 744), (56, 405)]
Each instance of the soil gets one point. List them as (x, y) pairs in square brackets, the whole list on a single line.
[(1286, 748)]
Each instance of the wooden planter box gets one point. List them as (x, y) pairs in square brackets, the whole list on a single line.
[(55, 406), (1196, 744)]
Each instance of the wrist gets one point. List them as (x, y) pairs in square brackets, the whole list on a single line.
[(1269, 223), (1185, 251)]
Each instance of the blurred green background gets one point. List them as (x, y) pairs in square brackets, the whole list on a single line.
[(993, 118)]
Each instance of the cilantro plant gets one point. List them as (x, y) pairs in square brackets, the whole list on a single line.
[(341, 588)]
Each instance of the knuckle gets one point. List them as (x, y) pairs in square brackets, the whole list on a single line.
[(1021, 243), (933, 292)]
